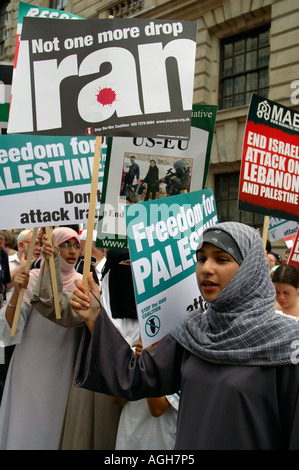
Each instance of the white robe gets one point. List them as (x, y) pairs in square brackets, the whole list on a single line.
[(139, 430), (38, 381)]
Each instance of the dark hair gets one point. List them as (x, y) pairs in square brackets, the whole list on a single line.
[(10, 239), (276, 256), (287, 274)]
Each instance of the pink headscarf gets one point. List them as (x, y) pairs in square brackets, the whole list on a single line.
[(68, 272)]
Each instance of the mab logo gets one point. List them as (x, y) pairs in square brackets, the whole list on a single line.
[(276, 114), (264, 110)]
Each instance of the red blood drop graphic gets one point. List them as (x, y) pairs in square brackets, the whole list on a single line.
[(106, 96)]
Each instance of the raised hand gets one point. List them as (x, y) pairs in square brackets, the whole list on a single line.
[(85, 303)]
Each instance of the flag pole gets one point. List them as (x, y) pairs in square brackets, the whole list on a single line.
[(265, 230), (53, 277), (92, 210)]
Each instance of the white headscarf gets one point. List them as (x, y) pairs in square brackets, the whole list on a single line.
[(240, 325)]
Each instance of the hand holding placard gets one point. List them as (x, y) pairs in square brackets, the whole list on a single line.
[(21, 294)]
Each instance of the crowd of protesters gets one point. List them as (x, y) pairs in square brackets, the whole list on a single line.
[(224, 378)]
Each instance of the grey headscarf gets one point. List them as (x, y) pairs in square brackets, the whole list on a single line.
[(240, 325), (222, 240)]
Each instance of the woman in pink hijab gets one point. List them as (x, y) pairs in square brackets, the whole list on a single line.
[(41, 369), (65, 241)]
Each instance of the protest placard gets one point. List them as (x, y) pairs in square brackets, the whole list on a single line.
[(294, 255), (269, 177), (163, 235), (289, 241), (31, 11), (34, 11), (281, 228), (45, 180), (129, 77), (179, 165), (52, 82)]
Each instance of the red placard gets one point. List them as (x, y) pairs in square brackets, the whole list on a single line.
[(294, 256), (269, 177)]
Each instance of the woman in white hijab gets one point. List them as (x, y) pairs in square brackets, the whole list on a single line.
[(42, 365), (235, 363)]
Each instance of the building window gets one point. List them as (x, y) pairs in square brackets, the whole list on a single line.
[(226, 197), (3, 21), (244, 68), (58, 4)]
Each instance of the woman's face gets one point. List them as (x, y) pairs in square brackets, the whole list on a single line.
[(214, 270), (69, 251), (286, 295)]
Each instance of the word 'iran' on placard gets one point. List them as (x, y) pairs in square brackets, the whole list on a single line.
[(105, 77)]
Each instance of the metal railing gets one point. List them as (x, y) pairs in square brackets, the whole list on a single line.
[(125, 8)]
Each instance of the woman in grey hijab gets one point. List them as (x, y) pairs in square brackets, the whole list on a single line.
[(235, 363)]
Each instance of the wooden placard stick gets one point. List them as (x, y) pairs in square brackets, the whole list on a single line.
[(21, 294), (265, 230), (92, 209), (53, 278)]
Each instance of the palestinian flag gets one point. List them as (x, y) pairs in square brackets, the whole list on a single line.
[(6, 70)]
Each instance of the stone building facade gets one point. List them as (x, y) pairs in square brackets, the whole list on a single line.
[(243, 46)]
